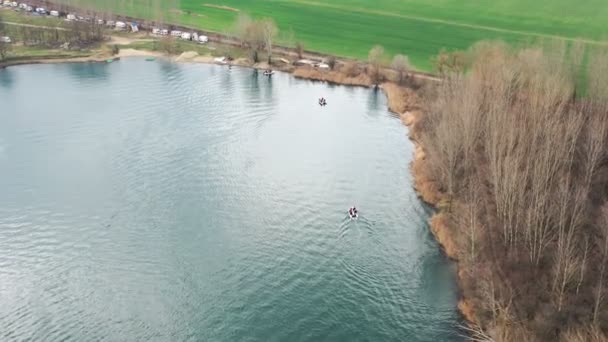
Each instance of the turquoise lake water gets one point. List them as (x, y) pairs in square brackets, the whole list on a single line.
[(149, 201)]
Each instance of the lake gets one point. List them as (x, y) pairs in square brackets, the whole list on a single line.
[(150, 201)]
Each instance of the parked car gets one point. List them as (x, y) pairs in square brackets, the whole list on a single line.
[(54, 13), (22, 6), (164, 32), (29, 9), (110, 23), (100, 22), (156, 31), (176, 33), (70, 17), (5, 40), (203, 39), (6, 3), (14, 4), (120, 25), (40, 10), (186, 36)]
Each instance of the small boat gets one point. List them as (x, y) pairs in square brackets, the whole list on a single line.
[(109, 60), (268, 73), (220, 60), (353, 213), (322, 102), (150, 59)]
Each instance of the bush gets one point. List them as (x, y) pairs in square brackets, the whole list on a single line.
[(331, 62), (351, 69), (299, 49), (115, 49)]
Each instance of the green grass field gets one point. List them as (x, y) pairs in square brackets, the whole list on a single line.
[(417, 28)]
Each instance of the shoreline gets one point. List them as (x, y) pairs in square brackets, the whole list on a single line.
[(404, 102)]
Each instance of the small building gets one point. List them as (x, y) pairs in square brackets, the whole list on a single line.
[(54, 13), (133, 27), (70, 17), (202, 39), (120, 25), (186, 36)]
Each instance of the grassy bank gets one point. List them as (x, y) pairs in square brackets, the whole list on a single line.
[(27, 55), (417, 28)]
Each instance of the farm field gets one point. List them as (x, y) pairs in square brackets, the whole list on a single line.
[(417, 28)]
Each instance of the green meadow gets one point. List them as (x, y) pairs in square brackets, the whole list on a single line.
[(417, 28)]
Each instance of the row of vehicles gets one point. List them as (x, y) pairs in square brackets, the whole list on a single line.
[(192, 36), (117, 25), (25, 7)]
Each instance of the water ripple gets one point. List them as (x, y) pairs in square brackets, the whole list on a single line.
[(189, 202)]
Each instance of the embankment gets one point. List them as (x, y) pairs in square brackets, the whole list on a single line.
[(406, 103)]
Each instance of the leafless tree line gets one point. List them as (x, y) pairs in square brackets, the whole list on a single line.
[(519, 148), (256, 35), (3, 45), (76, 34)]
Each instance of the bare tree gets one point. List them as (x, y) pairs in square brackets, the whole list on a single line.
[(375, 59), (603, 247), (401, 64), (299, 49), (251, 34), (168, 45), (269, 31), (4, 46)]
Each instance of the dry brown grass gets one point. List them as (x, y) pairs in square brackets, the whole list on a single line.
[(400, 99), (337, 77)]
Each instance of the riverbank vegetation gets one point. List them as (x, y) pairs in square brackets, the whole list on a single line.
[(53, 40), (516, 158)]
